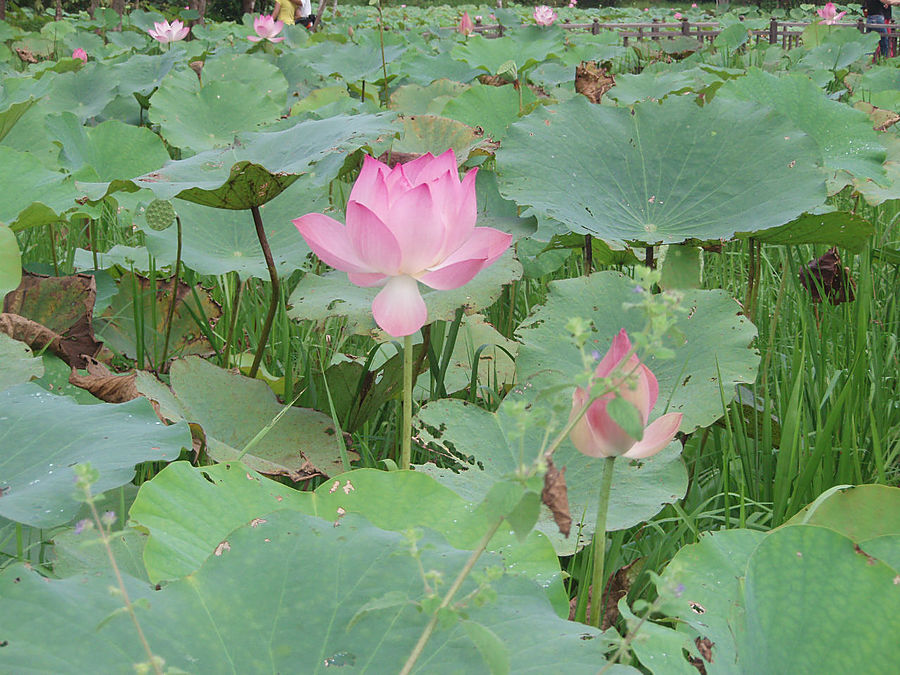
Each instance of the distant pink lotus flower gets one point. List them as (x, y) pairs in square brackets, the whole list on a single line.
[(465, 25), (544, 16), (596, 434), (163, 31), (572, 3), (646, 9), (478, 17), (693, 5), (413, 223), (830, 14), (266, 29), (80, 54), (677, 16)]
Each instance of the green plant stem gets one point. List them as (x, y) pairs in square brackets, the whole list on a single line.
[(457, 584), (92, 234), (599, 553), (406, 430), (53, 249), (276, 292), (383, 61), (171, 316), (235, 305)]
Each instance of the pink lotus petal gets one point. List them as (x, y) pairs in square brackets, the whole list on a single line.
[(372, 240), (620, 346), (329, 240), (581, 435), (656, 436), (609, 438), (453, 276), (367, 279), (370, 188), (254, 38), (485, 243), (429, 168), (399, 309)]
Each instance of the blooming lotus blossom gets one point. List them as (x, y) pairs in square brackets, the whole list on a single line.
[(266, 29), (693, 5), (677, 16), (80, 54), (572, 3), (478, 17), (413, 223), (465, 25), (544, 16), (163, 31), (829, 13), (596, 434)]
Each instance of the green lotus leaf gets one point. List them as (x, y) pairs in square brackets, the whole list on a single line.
[(201, 118), (495, 445), (363, 610), (318, 298), (491, 108), (12, 106), (415, 99), (434, 134), (837, 47), (836, 228), (141, 74), (527, 47), (662, 173), (10, 262), (259, 166), (230, 496), (845, 136), (217, 241), (109, 151), (435, 67), (32, 194), (85, 93), (232, 409), (350, 62), (17, 363), (657, 85), (862, 512), (878, 85), (82, 553), (53, 433), (710, 341)]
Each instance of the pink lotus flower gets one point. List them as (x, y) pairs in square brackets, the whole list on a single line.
[(413, 223), (80, 54), (163, 31), (572, 3), (693, 5), (596, 434), (478, 17), (544, 16), (677, 16), (465, 25), (266, 29), (830, 14)]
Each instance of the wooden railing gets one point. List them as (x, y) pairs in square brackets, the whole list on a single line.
[(785, 33)]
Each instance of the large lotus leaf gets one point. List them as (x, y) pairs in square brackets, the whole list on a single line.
[(498, 445), (845, 136), (10, 262), (139, 311), (317, 298), (657, 85), (874, 193), (837, 228), (424, 71), (232, 409), (525, 47), (85, 92), (710, 341), (415, 99), (17, 363), (32, 194), (430, 133), (187, 511), (491, 108), (259, 166), (83, 553), (351, 62), (109, 151), (604, 46), (662, 173), (212, 116), (837, 47), (807, 630), (862, 512), (497, 212), (142, 74), (878, 85), (701, 586), (354, 588), (50, 434), (31, 136), (11, 110), (217, 241)]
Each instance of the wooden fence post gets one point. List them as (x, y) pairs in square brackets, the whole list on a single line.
[(595, 28), (773, 32), (685, 27)]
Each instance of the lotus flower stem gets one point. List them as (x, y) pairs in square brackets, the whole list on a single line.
[(235, 305), (599, 552), (53, 249), (169, 318), (406, 430), (457, 584), (276, 290)]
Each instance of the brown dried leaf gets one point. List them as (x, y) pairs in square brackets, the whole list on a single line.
[(65, 305), (556, 497), (392, 159), (104, 384), (26, 55), (32, 333), (825, 275), (593, 80), (616, 588)]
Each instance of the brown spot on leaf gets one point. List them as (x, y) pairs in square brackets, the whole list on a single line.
[(593, 80), (222, 547), (104, 384)]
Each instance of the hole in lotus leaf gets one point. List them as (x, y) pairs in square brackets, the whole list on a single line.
[(696, 607)]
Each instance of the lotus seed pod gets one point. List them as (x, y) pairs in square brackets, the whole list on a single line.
[(160, 214)]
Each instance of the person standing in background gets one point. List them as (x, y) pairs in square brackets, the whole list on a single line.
[(878, 13), (299, 11)]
